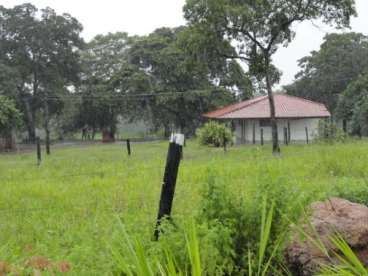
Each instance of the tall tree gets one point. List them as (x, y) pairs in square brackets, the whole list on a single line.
[(153, 78), (326, 73), (259, 28), (190, 85), (42, 47), (108, 81)]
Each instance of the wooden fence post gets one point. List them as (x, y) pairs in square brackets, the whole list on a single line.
[(262, 137), (224, 141), (168, 187), (306, 135), (38, 145), (254, 133), (289, 132), (285, 136), (128, 147), (47, 143)]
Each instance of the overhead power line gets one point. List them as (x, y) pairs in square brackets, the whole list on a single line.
[(136, 95)]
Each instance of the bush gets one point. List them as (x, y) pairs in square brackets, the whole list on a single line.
[(231, 225), (214, 134), (328, 132)]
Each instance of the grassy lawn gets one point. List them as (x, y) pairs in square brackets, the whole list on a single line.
[(67, 209)]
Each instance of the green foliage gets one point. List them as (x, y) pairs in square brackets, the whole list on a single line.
[(10, 116), (350, 265), (41, 50), (354, 191), (243, 235), (131, 258), (192, 86), (327, 73), (178, 88), (353, 106), (329, 132), (214, 134)]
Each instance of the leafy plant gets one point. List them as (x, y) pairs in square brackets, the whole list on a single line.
[(132, 259), (240, 236), (215, 134), (328, 132), (350, 265)]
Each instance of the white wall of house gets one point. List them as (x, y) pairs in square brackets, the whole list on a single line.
[(244, 130)]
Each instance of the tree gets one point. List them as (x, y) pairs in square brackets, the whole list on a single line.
[(259, 28), (108, 80), (151, 78), (10, 118), (183, 87), (326, 73), (42, 48), (353, 106)]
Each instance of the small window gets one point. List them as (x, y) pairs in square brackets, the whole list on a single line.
[(264, 122)]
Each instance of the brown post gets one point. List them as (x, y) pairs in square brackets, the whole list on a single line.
[(306, 135), (128, 147), (38, 144), (224, 141), (254, 133), (262, 137), (285, 136), (289, 133)]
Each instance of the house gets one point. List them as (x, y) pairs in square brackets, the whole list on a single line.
[(297, 118)]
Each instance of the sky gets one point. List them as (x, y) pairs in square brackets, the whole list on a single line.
[(140, 17)]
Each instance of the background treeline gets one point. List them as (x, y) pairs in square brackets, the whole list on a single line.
[(59, 82), (167, 79), (337, 75)]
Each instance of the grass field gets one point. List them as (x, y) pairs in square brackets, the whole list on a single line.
[(67, 209)]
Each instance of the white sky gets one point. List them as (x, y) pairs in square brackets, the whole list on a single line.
[(143, 16)]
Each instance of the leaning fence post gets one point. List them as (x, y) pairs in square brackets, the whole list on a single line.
[(168, 186), (128, 147), (262, 137), (306, 135), (38, 145), (285, 136)]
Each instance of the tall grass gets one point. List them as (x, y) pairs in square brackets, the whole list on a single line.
[(66, 209), (130, 257)]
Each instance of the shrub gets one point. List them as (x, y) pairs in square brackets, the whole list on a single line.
[(215, 134), (242, 233), (328, 132)]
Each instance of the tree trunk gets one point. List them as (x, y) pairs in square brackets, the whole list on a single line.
[(47, 130), (29, 118), (344, 126), (9, 142), (275, 138)]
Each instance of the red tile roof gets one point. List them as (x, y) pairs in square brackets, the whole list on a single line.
[(286, 107)]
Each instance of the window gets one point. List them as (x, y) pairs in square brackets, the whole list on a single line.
[(264, 122)]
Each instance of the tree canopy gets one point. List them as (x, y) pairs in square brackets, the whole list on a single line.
[(353, 106), (326, 73), (41, 48), (153, 78)]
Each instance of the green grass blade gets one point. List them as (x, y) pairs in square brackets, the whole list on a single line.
[(193, 250)]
